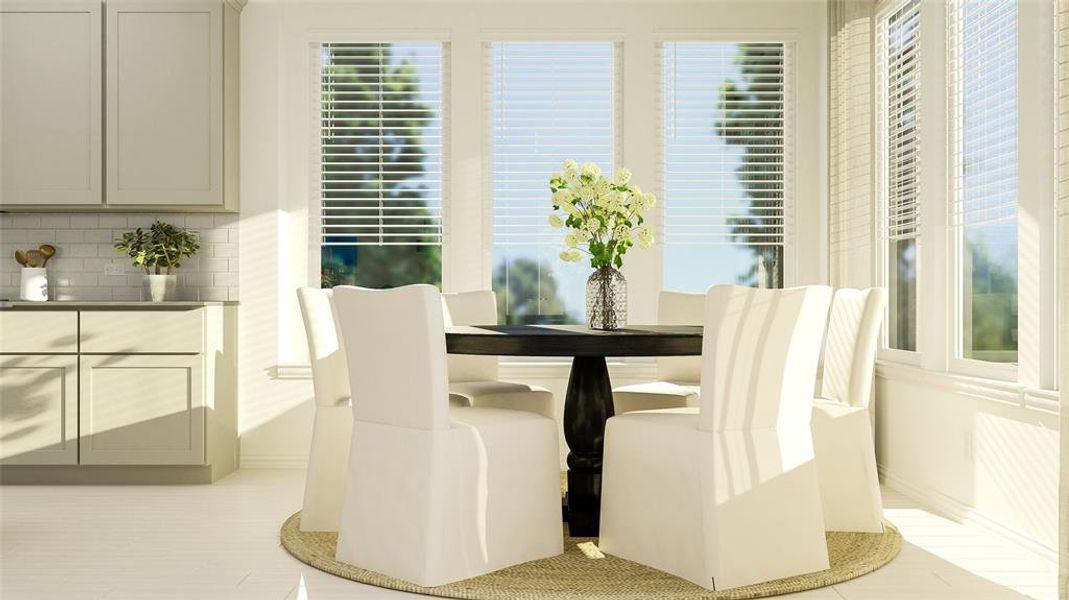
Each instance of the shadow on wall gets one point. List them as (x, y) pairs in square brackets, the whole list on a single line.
[(970, 450)]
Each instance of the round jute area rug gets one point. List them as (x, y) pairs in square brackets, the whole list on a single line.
[(583, 572)]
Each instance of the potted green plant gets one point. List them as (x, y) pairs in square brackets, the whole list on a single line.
[(159, 251)]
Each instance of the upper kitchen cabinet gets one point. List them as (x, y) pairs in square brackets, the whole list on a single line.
[(50, 117), (168, 77), (171, 96)]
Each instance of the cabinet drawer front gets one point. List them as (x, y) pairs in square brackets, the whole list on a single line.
[(25, 332), (143, 331)]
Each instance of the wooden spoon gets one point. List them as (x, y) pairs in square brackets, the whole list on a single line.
[(48, 251), (20, 257), (36, 258)]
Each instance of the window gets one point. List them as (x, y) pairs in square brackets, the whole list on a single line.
[(985, 181), (899, 131), (548, 102), (380, 163), (724, 169)]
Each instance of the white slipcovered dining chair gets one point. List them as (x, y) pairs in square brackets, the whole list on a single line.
[(473, 379), (435, 494), (726, 494), (677, 376), (842, 425), (325, 479), (332, 425)]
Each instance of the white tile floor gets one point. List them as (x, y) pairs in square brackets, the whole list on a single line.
[(221, 542)]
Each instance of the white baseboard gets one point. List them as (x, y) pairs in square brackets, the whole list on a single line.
[(953, 509), (274, 461)]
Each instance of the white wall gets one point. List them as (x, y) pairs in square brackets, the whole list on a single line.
[(1063, 546), (971, 451), (277, 144)]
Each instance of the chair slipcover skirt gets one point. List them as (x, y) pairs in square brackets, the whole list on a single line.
[(745, 516), (333, 424), (325, 478), (846, 463), (433, 507)]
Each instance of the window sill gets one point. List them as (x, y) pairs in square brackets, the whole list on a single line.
[(899, 357), (982, 388)]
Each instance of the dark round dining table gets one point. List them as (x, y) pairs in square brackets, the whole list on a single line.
[(588, 402)]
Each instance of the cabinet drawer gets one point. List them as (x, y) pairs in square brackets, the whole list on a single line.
[(143, 331), (26, 332)]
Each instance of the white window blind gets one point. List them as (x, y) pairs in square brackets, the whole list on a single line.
[(899, 42), (548, 102), (984, 113), (724, 169), (898, 130), (983, 73), (381, 134)]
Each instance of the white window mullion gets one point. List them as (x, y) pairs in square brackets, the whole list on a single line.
[(1037, 209)]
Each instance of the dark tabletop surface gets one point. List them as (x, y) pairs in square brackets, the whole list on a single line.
[(574, 340)]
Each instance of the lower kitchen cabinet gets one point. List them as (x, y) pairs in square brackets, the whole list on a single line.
[(142, 409), (38, 409), (112, 392)]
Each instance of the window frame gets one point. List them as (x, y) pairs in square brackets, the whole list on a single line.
[(789, 275), (939, 263), (789, 39), (881, 254), (955, 259), (313, 221), (1037, 284), (490, 37)]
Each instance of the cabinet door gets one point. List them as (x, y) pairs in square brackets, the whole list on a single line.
[(141, 410), (164, 102), (50, 103), (38, 409)]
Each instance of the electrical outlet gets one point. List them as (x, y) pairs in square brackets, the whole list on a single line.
[(113, 269)]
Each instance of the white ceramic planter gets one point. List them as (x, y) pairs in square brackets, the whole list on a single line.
[(34, 284), (161, 287)]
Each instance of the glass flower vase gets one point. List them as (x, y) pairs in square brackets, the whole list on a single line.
[(606, 299)]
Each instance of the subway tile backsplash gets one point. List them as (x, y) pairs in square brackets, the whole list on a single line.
[(84, 251)]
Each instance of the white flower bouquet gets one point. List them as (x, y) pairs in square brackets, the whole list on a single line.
[(605, 217)]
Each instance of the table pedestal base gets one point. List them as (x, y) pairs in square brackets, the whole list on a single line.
[(587, 405)]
